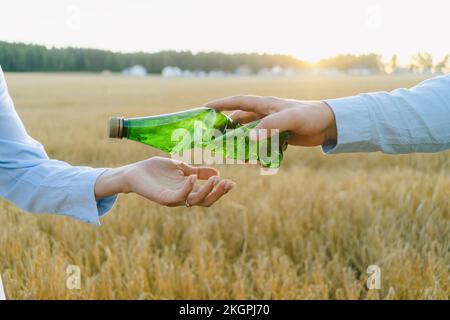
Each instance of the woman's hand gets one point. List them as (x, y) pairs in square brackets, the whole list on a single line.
[(312, 123), (166, 181)]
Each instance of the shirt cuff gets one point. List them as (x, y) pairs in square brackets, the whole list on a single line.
[(353, 126), (84, 206)]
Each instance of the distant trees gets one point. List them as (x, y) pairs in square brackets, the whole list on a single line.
[(444, 65), (27, 57), (422, 62), (392, 64), (346, 62), (30, 57)]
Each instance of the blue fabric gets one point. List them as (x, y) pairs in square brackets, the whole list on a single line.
[(402, 121), (35, 183)]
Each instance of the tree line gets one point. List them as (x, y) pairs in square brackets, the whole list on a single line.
[(31, 57)]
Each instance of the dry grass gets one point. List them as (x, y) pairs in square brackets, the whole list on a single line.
[(308, 232)]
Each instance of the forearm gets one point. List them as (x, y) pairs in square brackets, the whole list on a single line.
[(51, 186), (403, 121), (35, 183)]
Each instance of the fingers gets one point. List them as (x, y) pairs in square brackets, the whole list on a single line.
[(204, 196), (245, 116), (181, 195), (258, 104), (200, 194), (222, 188), (282, 121), (203, 173)]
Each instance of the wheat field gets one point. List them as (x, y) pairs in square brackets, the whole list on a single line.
[(308, 232)]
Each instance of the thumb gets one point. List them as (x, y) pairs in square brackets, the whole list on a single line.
[(203, 173), (272, 124)]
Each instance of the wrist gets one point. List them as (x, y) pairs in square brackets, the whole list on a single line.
[(331, 129), (110, 182)]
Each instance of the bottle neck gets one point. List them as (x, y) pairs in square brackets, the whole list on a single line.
[(125, 126), (121, 128)]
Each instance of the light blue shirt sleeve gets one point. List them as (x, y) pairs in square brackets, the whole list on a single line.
[(35, 183), (401, 121)]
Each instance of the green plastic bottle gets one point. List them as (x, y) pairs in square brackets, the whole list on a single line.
[(201, 127)]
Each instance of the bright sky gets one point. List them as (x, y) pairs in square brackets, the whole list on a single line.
[(308, 29)]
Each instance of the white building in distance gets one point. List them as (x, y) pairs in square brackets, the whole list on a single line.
[(170, 72), (135, 71)]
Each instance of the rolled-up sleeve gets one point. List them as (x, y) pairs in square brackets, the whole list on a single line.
[(37, 184), (401, 121)]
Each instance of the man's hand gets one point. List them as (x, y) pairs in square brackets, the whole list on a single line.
[(166, 181), (311, 122)]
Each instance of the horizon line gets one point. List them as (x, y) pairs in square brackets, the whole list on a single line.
[(195, 52)]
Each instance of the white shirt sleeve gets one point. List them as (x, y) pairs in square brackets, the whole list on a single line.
[(35, 183), (401, 121)]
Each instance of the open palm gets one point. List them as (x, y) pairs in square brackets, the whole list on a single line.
[(172, 183)]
